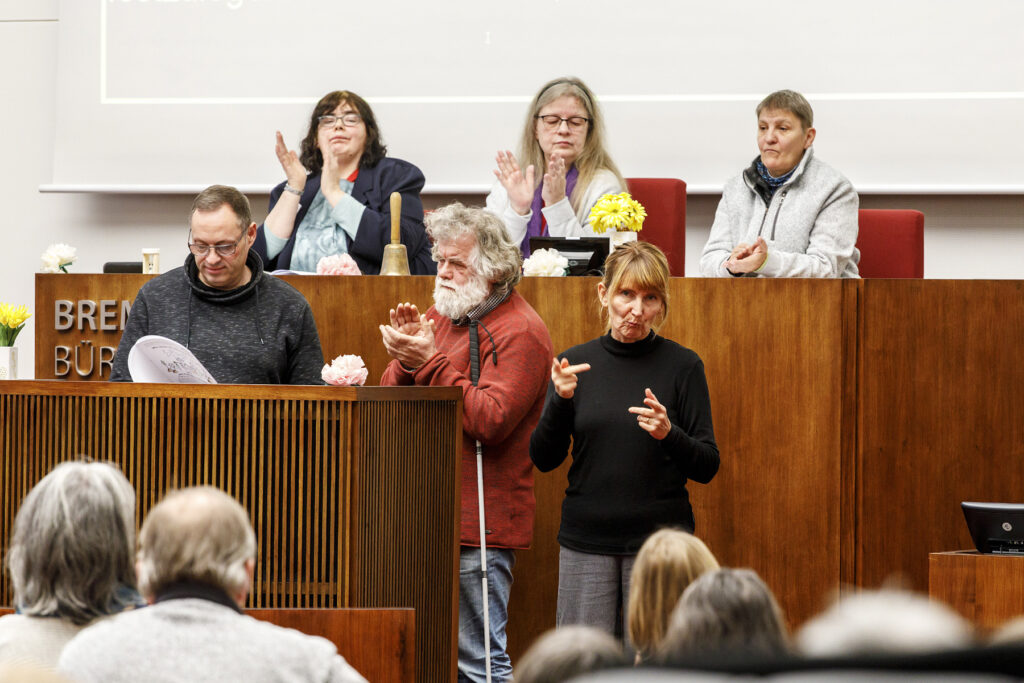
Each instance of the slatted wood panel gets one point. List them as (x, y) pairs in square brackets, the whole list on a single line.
[(294, 457)]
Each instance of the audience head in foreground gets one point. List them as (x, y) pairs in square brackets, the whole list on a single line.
[(728, 611), (244, 326), (563, 167), (668, 562), (196, 560), (788, 214), (70, 559), (885, 621), (564, 653), (475, 304)]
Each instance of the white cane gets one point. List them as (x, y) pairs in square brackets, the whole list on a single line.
[(474, 376)]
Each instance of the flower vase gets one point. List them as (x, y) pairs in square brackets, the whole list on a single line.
[(620, 237), (8, 362)]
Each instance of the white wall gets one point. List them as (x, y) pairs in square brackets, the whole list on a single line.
[(966, 236)]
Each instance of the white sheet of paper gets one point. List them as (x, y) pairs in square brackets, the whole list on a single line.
[(158, 359)]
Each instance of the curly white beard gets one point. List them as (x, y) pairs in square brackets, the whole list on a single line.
[(456, 301)]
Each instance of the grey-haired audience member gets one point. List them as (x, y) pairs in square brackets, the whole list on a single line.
[(197, 555), (885, 621), (71, 559), (726, 611), (564, 653)]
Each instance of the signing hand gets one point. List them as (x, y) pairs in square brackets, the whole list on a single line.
[(652, 417), (553, 190), (294, 171), (411, 350), (563, 376), (747, 258), (518, 185)]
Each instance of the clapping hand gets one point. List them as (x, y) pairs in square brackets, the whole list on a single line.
[(746, 258), (652, 416), (294, 171), (409, 338), (330, 179), (518, 185), (553, 190), (563, 376)]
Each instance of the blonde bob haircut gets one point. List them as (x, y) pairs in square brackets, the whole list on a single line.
[(668, 562), (594, 156), (636, 265)]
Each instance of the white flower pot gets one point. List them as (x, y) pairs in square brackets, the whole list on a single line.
[(620, 237), (8, 362)]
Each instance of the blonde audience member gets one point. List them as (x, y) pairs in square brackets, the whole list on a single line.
[(668, 562), (70, 559), (885, 621), (726, 610), (564, 653)]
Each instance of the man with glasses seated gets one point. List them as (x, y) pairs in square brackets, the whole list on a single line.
[(245, 326)]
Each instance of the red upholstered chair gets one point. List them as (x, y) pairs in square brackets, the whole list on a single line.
[(665, 227), (891, 243)]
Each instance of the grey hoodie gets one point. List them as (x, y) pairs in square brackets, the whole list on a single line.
[(260, 333), (810, 224)]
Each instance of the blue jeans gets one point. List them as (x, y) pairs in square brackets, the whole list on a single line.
[(472, 661)]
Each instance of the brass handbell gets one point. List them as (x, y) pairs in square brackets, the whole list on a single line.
[(396, 260)]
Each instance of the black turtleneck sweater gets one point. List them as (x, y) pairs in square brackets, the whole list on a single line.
[(260, 333), (623, 483)]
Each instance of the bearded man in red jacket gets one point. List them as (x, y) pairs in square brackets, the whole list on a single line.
[(475, 303)]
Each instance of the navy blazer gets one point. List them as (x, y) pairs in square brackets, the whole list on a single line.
[(373, 188)]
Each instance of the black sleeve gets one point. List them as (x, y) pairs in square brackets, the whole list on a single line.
[(692, 441), (136, 328), (549, 443), (306, 361)]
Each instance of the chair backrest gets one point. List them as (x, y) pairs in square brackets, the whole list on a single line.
[(891, 243), (379, 643), (665, 227)]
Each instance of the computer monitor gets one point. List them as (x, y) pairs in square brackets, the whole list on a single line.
[(586, 255), (996, 527)]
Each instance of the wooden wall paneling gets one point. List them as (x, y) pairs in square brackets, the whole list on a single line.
[(774, 352), (941, 408)]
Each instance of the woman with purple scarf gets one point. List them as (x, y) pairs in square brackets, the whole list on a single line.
[(562, 169)]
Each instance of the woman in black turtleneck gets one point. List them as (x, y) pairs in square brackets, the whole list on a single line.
[(637, 409)]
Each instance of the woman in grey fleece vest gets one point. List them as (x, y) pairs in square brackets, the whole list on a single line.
[(788, 214)]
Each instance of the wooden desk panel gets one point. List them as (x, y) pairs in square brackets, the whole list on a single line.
[(986, 589), (940, 417)]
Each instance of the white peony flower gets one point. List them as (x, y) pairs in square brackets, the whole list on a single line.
[(545, 262), (57, 257)]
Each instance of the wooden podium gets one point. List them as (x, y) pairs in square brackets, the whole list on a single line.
[(986, 589), (353, 492)]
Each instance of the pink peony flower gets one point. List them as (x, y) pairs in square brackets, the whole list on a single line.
[(345, 371), (337, 264)]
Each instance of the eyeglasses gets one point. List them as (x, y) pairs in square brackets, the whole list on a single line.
[(330, 120), (223, 250), (553, 121)]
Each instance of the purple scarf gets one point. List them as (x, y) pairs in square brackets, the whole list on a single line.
[(537, 227)]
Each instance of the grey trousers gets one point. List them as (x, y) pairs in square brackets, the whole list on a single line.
[(594, 590)]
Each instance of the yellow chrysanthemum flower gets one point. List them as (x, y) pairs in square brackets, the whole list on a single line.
[(617, 212)]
